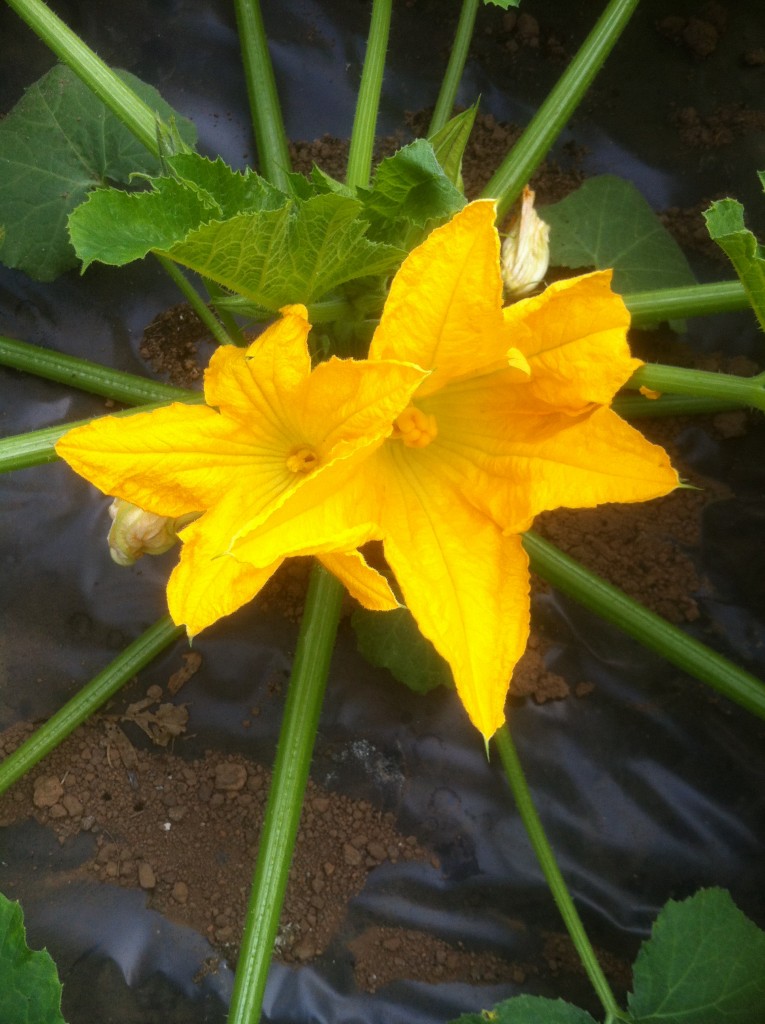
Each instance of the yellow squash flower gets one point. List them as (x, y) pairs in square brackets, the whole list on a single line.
[(512, 419), (270, 426)]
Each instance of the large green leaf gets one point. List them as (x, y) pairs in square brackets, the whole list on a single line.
[(529, 1010), (30, 992), (392, 640), (704, 964), (608, 223), (57, 144), (725, 223)]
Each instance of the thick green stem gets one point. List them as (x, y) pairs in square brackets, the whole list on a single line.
[(38, 446), (293, 758), (87, 376), (633, 407), (651, 630), (693, 300), (270, 136), (550, 119), (455, 67), (517, 780), (88, 700), (368, 102), (137, 117), (723, 387)]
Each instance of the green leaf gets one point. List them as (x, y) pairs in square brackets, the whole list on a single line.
[(704, 964), (725, 223), (409, 191), (30, 992), (57, 144), (117, 227), (607, 223), (504, 4), (392, 640), (449, 144), (529, 1010)]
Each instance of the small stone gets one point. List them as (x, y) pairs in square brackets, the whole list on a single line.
[(230, 776), (224, 934), (329, 869), (57, 811), (376, 851), (73, 806), (180, 893), (176, 813), (48, 791), (304, 950), (351, 855), (146, 877)]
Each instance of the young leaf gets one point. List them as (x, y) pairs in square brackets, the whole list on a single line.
[(504, 4), (725, 223), (607, 223), (449, 144), (392, 640), (529, 1010), (704, 964), (57, 144), (410, 189), (30, 992)]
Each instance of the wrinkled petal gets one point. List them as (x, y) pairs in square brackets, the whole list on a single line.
[(574, 336), (170, 462), (367, 585), (443, 312), (205, 586), (466, 584), (514, 462)]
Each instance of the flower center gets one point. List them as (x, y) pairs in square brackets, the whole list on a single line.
[(302, 460), (415, 427)]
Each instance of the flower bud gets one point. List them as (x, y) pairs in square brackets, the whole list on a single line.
[(134, 533), (526, 250)]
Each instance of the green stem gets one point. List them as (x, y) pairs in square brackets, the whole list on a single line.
[(136, 115), (194, 299), (455, 67), (37, 447), (650, 630), (515, 777), (88, 700), (293, 758), (549, 120), (633, 407), (367, 104), (723, 387), (87, 376), (693, 300), (270, 136)]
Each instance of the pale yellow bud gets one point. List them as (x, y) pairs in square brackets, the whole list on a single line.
[(134, 533), (526, 250)]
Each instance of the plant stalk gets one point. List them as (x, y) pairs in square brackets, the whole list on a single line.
[(694, 300), (368, 102), (550, 119), (136, 115), (92, 377), (197, 303), (90, 698), (724, 387), (455, 67), (270, 136), (649, 629), (285, 800), (531, 821)]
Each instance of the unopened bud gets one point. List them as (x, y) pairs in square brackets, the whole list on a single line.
[(134, 532), (526, 250)]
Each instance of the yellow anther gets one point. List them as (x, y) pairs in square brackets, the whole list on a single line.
[(303, 460), (415, 427)]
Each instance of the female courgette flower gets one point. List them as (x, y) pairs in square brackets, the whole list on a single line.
[(270, 426), (513, 419)]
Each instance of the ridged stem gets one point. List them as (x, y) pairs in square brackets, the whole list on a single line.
[(455, 67), (368, 101)]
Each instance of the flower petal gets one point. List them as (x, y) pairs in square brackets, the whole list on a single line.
[(367, 585), (204, 586), (466, 584), (574, 336), (444, 308), (171, 461)]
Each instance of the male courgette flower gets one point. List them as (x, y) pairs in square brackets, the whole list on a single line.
[(513, 419), (270, 426)]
